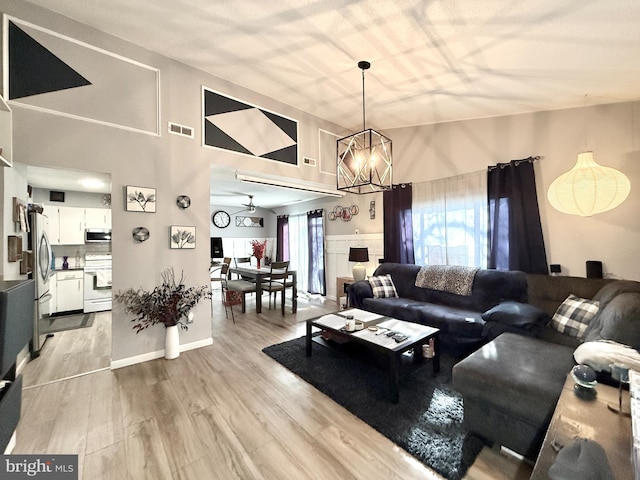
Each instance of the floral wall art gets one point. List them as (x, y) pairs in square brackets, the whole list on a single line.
[(182, 237), (140, 199)]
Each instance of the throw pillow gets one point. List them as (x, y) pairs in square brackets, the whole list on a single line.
[(574, 315), (383, 286), (516, 314)]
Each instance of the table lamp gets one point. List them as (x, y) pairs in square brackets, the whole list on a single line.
[(358, 255)]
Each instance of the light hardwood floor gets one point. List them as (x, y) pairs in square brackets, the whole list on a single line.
[(224, 411)]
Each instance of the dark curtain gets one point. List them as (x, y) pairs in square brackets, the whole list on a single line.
[(315, 226), (282, 238), (515, 232), (398, 227)]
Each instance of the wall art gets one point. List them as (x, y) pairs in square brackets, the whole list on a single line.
[(182, 237), (43, 72), (249, 221), (140, 199), (344, 213), (240, 127)]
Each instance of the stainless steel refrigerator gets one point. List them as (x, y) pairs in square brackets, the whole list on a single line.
[(41, 251)]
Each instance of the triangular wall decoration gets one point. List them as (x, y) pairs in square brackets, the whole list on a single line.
[(34, 70)]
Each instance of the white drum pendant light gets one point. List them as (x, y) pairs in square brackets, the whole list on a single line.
[(588, 188)]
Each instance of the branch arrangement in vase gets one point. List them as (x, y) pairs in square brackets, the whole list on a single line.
[(169, 303)]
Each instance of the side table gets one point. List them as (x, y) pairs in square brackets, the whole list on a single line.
[(341, 289), (590, 419)]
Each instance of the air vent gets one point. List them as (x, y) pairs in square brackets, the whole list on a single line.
[(311, 162), (181, 130)]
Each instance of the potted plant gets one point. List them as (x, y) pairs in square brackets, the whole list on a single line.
[(169, 303)]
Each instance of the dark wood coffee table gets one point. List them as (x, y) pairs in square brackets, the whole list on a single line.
[(400, 363)]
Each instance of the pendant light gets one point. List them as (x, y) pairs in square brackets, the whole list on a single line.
[(588, 188), (364, 159)]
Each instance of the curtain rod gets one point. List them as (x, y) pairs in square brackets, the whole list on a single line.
[(515, 163)]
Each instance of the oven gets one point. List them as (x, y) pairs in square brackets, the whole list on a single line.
[(97, 283)]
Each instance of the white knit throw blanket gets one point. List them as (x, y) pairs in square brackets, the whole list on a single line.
[(447, 278)]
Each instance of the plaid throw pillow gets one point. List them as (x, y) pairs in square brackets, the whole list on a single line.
[(383, 286), (574, 315)]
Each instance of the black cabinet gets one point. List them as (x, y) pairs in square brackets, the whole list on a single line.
[(17, 301)]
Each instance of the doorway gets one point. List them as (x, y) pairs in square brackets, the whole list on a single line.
[(77, 327)]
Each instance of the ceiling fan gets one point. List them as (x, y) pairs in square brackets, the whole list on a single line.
[(250, 207)]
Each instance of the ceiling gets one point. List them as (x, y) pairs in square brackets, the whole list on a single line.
[(227, 190), (68, 180), (431, 60)]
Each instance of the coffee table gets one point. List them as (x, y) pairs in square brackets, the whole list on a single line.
[(400, 361)]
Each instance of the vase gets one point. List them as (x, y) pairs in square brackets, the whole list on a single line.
[(258, 263), (65, 262), (171, 342)]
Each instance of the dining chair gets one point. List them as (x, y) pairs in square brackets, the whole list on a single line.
[(223, 278), (216, 267), (278, 274), (240, 286), (243, 262)]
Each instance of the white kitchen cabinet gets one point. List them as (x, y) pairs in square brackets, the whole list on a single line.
[(66, 225), (53, 291), (97, 218), (69, 290)]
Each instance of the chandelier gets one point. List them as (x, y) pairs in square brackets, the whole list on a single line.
[(364, 159)]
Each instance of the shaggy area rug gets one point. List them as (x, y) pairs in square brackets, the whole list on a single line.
[(427, 422)]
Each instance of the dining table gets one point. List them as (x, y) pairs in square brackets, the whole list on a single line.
[(262, 274)]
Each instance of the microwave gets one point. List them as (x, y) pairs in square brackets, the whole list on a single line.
[(97, 235)]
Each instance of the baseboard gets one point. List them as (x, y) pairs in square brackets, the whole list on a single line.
[(23, 358), (145, 357)]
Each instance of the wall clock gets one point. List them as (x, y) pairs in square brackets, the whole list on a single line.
[(221, 219)]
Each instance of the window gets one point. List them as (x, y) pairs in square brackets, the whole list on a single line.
[(450, 221), (299, 249)]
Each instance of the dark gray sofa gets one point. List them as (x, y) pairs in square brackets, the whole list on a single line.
[(459, 317), (511, 385)]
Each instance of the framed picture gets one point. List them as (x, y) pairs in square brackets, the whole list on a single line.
[(249, 221), (182, 237), (140, 199)]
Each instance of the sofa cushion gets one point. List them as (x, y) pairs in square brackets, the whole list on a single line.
[(615, 288), (528, 374), (574, 315), (490, 287), (458, 322), (517, 314), (382, 286), (618, 320)]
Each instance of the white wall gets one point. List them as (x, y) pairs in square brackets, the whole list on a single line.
[(13, 183), (613, 132)]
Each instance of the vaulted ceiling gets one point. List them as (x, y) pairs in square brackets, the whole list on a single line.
[(432, 60)]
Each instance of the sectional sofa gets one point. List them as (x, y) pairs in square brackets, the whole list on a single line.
[(511, 385), (519, 359), (459, 317)]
